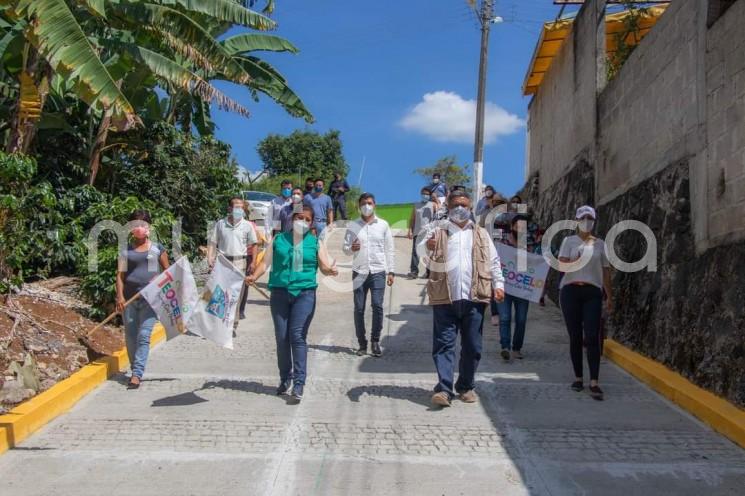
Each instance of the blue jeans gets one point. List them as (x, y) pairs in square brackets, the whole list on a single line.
[(320, 227), (139, 320), (506, 339), (375, 284), (468, 318), (292, 316)]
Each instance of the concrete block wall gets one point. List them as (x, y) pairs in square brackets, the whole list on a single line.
[(648, 114), (725, 128), (561, 126)]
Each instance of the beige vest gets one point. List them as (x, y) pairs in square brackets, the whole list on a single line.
[(438, 287)]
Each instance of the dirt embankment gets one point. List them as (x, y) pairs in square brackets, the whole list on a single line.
[(43, 339)]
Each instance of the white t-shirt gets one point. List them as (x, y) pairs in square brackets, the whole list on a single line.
[(592, 273), (233, 240)]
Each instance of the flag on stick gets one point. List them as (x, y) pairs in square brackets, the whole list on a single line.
[(173, 295)]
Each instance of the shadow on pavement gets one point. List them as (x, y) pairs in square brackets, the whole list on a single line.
[(409, 393)]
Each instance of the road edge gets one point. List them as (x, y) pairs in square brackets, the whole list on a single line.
[(28, 417), (718, 413)]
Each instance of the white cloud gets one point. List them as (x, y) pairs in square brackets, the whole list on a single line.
[(446, 116)]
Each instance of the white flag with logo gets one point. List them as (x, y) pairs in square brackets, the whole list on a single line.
[(528, 283), (215, 312), (172, 295)]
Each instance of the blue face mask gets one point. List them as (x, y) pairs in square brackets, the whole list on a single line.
[(319, 189), (286, 192), (238, 213)]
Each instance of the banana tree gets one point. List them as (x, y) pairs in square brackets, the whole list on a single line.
[(93, 44)]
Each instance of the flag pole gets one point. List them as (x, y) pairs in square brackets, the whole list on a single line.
[(108, 319)]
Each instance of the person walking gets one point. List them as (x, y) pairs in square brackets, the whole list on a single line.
[(275, 208), (465, 272), (370, 241), (235, 238), (285, 215), (484, 204), (323, 208), (294, 258), (586, 273), (337, 191), (137, 265), (439, 188), (422, 214), (512, 344), (310, 183)]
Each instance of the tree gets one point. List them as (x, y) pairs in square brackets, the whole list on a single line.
[(450, 172), (303, 154), (192, 178), (109, 53)]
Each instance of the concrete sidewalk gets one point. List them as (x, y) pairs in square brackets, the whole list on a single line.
[(206, 422)]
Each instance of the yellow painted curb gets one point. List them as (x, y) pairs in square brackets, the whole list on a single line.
[(26, 418), (720, 414)]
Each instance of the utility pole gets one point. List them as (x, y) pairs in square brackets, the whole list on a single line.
[(486, 16)]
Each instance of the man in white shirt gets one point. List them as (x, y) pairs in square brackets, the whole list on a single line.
[(371, 241), (235, 238), (465, 272), (422, 214)]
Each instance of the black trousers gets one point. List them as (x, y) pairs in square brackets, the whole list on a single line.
[(340, 206), (244, 293), (582, 307)]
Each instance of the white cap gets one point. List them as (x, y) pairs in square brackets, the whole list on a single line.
[(585, 210)]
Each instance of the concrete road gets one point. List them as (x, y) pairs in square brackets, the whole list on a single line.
[(206, 422)]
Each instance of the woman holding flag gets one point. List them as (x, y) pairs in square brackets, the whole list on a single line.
[(138, 264), (294, 258)]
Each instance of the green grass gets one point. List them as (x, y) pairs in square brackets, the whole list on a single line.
[(397, 215)]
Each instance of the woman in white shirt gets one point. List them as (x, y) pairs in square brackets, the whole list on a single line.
[(586, 274)]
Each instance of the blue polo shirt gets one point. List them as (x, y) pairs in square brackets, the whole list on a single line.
[(320, 204)]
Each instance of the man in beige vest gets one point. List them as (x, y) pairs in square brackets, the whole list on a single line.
[(465, 272)]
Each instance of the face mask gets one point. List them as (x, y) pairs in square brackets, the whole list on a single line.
[(586, 225), (286, 192), (238, 213), (489, 194), (300, 226), (367, 209), (319, 189), (459, 214), (297, 198), (425, 198), (141, 232), (435, 180)]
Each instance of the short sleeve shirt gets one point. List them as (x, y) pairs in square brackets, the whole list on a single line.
[(139, 267), (320, 204), (233, 240), (592, 272), (423, 215)]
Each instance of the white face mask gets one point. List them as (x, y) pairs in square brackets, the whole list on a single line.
[(425, 198), (489, 193), (300, 226), (297, 198), (459, 214), (367, 209), (586, 225), (238, 213), (436, 180)]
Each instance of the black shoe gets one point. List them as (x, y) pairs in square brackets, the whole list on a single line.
[(284, 388), (376, 351), (411, 275), (362, 351), (297, 393), (577, 386), (242, 316), (596, 393), (506, 355)]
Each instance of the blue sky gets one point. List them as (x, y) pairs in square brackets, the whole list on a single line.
[(365, 68)]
